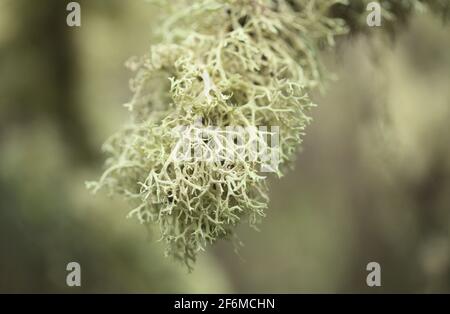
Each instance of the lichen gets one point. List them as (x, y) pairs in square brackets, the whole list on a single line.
[(219, 64)]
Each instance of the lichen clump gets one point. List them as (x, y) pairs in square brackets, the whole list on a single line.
[(220, 63)]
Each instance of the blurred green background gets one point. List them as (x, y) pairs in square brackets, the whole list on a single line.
[(371, 184)]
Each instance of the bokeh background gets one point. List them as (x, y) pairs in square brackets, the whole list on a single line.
[(372, 182)]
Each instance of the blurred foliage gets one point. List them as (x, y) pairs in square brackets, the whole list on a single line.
[(372, 183)]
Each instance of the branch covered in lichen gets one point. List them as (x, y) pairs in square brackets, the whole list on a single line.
[(220, 64)]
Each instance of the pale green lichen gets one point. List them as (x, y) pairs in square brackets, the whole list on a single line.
[(223, 63), (219, 63)]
